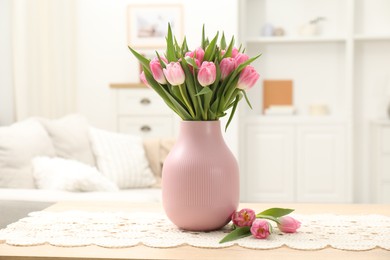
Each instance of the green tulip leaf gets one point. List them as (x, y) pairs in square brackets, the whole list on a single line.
[(191, 61), (238, 233), (228, 52), (203, 43), (184, 46), (204, 91), (189, 81), (275, 212), (223, 42), (268, 217), (233, 110), (217, 75), (162, 63), (245, 63), (247, 99), (171, 56), (210, 50), (144, 61)]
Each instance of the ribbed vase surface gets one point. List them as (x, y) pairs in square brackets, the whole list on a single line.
[(200, 178)]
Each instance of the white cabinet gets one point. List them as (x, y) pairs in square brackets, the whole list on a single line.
[(270, 161), (371, 87), (295, 162), (321, 164), (140, 111), (380, 158), (344, 66)]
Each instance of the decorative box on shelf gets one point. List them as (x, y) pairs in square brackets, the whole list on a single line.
[(140, 111)]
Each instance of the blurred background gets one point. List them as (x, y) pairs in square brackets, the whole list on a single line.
[(319, 130)]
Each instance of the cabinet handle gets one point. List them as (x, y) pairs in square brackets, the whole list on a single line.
[(145, 128), (145, 101)]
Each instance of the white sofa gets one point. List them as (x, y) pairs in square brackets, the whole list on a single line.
[(94, 165)]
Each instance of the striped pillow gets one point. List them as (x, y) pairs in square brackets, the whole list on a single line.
[(121, 158)]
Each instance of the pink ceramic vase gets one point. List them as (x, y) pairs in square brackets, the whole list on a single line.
[(200, 178)]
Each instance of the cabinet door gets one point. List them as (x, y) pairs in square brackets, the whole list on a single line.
[(321, 164), (147, 126), (383, 165), (138, 102), (269, 164)]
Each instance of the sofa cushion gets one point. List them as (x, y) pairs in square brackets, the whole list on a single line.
[(19, 143), (70, 138), (157, 149), (69, 175), (121, 158)]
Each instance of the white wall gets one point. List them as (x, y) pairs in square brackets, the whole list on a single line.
[(6, 91), (103, 56)]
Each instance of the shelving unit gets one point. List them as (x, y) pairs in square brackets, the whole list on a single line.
[(286, 39), (345, 68), (363, 37), (372, 87)]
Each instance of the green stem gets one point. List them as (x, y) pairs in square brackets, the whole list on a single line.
[(229, 96), (207, 99), (183, 94)]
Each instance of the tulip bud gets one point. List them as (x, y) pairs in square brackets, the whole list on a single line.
[(227, 66), (174, 73), (248, 78), (234, 52), (157, 71), (143, 79), (240, 58), (243, 218), (197, 62), (207, 73), (288, 224), (260, 229), (198, 53)]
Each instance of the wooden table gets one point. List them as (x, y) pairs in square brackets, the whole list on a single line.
[(187, 252)]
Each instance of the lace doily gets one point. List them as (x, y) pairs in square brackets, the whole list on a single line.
[(121, 229)]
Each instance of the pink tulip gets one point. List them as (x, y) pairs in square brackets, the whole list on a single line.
[(240, 58), (260, 229), (227, 66), (248, 78), (243, 218), (192, 68), (157, 71), (288, 224), (174, 73), (199, 54), (207, 73), (234, 52), (143, 79)]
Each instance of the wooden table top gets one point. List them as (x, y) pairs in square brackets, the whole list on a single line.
[(45, 252)]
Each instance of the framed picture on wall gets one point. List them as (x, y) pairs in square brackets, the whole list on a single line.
[(147, 24)]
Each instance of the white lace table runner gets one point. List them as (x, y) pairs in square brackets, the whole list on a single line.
[(121, 229)]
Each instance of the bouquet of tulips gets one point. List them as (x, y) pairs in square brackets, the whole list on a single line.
[(201, 84), (246, 222)]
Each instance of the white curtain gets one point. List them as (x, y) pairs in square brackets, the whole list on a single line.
[(44, 57)]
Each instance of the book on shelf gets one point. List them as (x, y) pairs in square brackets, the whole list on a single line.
[(279, 110)]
